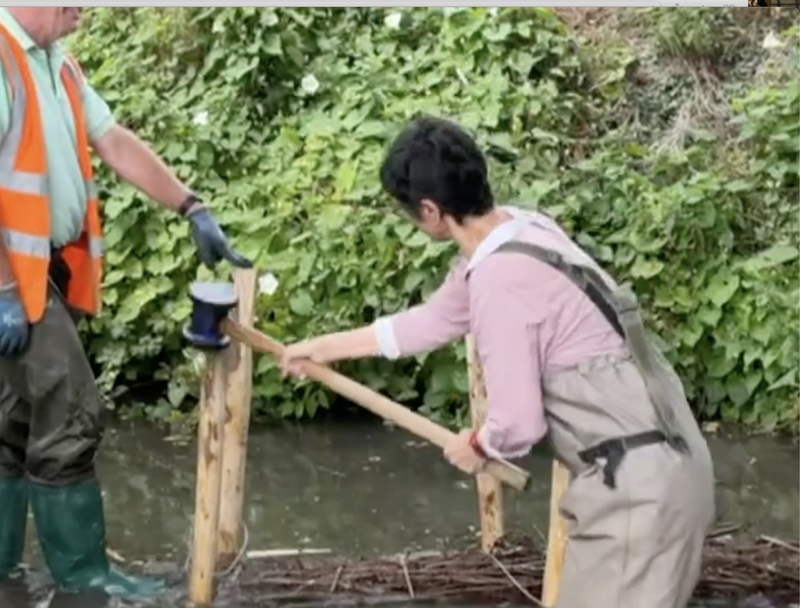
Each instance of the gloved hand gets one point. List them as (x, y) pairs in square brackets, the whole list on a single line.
[(212, 245), (14, 328)]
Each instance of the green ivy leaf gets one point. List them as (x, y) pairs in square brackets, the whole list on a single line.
[(301, 303), (646, 269), (722, 288)]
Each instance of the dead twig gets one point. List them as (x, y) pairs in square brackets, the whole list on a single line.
[(335, 582), (779, 543), (273, 553), (513, 572), (724, 531), (407, 577), (515, 582)]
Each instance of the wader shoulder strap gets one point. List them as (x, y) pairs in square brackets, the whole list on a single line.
[(587, 279), (621, 308)]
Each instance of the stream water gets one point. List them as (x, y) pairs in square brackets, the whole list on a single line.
[(361, 488)]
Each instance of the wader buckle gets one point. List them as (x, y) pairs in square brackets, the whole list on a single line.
[(614, 450)]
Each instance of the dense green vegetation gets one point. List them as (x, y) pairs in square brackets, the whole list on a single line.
[(667, 145)]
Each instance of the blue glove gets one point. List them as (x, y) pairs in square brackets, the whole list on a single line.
[(212, 245), (14, 328)]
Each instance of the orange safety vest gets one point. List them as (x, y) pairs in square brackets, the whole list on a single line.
[(25, 197)]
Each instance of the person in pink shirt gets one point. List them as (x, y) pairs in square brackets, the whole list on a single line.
[(565, 357)]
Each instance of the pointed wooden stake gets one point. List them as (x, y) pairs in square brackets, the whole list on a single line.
[(556, 536), (238, 405), (490, 490)]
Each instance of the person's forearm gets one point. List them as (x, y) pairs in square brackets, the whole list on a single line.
[(444, 318), (419, 329), (137, 164), (358, 343)]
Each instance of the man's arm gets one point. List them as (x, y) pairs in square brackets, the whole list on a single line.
[(507, 335), (137, 164), (442, 319), (130, 157)]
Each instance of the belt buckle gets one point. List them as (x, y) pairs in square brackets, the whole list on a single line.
[(613, 452)]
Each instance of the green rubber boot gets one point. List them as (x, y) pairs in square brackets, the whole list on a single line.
[(13, 521), (71, 529)]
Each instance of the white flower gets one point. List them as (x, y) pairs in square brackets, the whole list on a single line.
[(267, 284), (201, 118), (310, 84), (392, 20), (772, 42)]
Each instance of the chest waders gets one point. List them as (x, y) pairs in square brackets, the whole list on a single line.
[(621, 309)]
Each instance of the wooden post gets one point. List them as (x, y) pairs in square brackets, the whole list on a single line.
[(490, 491), (209, 477), (556, 536), (237, 425)]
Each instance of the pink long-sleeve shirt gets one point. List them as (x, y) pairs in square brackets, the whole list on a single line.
[(526, 317)]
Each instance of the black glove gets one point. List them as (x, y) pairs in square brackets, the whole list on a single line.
[(14, 328), (212, 245)]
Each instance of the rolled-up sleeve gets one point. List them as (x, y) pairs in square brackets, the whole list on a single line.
[(442, 319), (507, 336), (99, 117)]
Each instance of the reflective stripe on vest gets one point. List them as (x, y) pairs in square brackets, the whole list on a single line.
[(24, 191)]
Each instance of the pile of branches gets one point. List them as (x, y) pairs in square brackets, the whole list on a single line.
[(513, 572)]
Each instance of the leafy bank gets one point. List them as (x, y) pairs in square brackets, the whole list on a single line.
[(667, 145)]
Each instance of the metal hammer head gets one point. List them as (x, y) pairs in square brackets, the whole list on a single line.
[(211, 303)]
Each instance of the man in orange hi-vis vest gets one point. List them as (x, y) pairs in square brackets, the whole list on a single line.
[(50, 273)]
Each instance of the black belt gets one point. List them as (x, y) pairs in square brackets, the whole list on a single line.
[(59, 271), (613, 451)]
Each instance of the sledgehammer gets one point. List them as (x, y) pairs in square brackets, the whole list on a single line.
[(211, 329)]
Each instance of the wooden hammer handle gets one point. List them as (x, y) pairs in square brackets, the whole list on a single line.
[(374, 402)]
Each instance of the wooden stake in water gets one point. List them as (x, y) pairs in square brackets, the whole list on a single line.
[(490, 490), (556, 536), (209, 478), (237, 425)]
